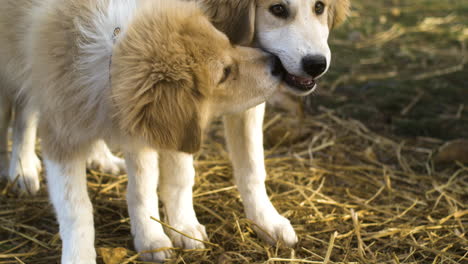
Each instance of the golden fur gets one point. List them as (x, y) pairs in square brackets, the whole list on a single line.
[(165, 70)]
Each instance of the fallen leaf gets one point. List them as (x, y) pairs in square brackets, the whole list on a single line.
[(395, 12), (370, 154), (456, 150), (112, 255)]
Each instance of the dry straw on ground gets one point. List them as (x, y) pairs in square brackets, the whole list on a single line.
[(352, 196)]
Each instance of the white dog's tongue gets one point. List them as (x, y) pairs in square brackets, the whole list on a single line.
[(301, 83)]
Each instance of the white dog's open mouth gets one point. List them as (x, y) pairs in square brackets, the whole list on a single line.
[(298, 85)]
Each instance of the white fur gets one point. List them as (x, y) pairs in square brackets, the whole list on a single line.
[(305, 35), (99, 40), (244, 137), (25, 166), (142, 202), (245, 143), (102, 159), (177, 180), (68, 193)]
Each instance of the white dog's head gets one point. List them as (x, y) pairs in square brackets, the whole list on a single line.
[(295, 31)]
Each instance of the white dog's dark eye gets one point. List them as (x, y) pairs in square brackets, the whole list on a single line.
[(226, 72), (279, 10), (319, 7)]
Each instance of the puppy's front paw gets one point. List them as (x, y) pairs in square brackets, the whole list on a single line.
[(159, 247), (106, 163), (274, 229), (25, 172), (197, 231)]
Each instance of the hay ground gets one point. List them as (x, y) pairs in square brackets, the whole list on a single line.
[(354, 173)]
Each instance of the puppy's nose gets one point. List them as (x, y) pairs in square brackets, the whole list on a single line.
[(314, 65)]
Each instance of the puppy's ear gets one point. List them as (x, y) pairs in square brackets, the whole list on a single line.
[(165, 114), (338, 12), (235, 18)]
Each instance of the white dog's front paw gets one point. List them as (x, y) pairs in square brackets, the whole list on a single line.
[(106, 163), (159, 247), (197, 231), (25, 172), (274, 229)]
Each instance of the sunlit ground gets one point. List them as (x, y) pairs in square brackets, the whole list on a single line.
[(355, 172)]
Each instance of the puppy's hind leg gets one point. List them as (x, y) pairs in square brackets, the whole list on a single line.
[(102, 159), (245, 142), (177, 179), (69, 195), (25, 166), (142, 199), (5, 116)]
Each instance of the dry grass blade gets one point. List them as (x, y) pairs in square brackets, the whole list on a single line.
[(182, 233)]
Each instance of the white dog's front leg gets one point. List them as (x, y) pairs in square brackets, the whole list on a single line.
[(177, 179), (142, 202), (5, 117), (69, 195), (25, 166), (102, 159), (244, 136)]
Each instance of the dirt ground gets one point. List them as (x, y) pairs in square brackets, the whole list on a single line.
[(354, 166)]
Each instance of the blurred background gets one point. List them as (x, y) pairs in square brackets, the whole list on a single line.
[(399, 66)]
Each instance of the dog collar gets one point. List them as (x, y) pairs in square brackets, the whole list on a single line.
[(115, 34)]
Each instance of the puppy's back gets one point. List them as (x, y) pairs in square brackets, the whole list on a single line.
[(15, 22)]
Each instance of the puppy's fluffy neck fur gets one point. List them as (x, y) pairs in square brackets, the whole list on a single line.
[(99, 39), (156, 90)]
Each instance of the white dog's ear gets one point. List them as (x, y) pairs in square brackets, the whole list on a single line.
[(338, 12), (243, 32), (235, 18), (165, 114)]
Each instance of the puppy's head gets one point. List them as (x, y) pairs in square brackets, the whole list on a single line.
[(172, 71)]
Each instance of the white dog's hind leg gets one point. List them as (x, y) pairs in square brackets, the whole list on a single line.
[(177, 180), (69, 195), (25, 166), (5, 116), (244, 136), (142, 202), (102, 159)]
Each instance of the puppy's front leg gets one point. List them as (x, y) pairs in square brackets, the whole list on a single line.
[(102, 159), (24, 164), (177, 179), (69, 195), (244, 136), (142, 199)]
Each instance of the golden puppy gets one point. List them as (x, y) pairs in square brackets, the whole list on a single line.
[(147, 75)]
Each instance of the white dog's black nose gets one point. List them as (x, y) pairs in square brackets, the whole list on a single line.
[(314, 65)]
